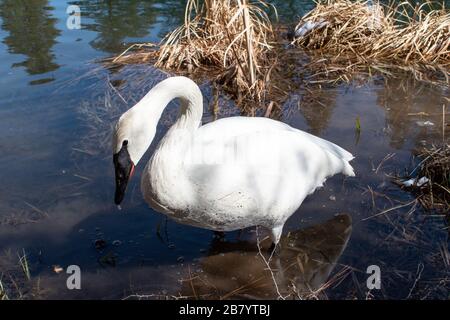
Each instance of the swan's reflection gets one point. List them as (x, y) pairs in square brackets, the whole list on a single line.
[(303, 264)]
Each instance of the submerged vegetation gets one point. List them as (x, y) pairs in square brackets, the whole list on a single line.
[(15, 277)]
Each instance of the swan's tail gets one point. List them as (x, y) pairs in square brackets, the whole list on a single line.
[(345, 158), (348, 169), (343, 155)]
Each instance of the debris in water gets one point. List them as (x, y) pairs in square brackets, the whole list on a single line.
[(57, 269), (424, 123), (415, 182), (303, 29), (433, 188)]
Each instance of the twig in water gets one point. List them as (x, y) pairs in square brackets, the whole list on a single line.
[(117, 91), (391, 209), (37, 209), (268, 266), (418, 275), (387, 157), (443, 123)]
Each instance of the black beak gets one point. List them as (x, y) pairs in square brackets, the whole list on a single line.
[(124, 169)]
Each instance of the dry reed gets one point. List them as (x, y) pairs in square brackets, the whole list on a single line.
[(371, 33), (229, 39)]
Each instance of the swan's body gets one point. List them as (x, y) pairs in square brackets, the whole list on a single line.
[(229, 174)]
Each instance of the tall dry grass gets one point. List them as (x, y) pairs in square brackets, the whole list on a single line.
[(233, 43), (231, 39), (370, 32)]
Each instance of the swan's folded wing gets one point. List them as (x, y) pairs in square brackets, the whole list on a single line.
[(228, 130), (263, 153), (259, 170)]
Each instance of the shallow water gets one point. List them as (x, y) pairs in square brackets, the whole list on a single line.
[(57, 106)]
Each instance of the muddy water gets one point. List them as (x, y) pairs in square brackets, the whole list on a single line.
[(57, 106)]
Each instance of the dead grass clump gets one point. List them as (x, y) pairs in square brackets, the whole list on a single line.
[(436, 167), (373, 33), (432, 182), (230, 39), (341, 26)]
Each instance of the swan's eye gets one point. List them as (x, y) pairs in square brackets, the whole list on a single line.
[(125, 143)]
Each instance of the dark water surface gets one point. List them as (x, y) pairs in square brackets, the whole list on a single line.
[(57, 106)]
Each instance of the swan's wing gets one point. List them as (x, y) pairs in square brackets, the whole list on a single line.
[(257, 166), (238, 126)]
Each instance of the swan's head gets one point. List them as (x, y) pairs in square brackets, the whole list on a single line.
[(130, 141)]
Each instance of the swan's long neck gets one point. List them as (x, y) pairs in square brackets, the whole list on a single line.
[(139, 123), (154, 103)]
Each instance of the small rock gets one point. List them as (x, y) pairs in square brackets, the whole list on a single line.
[(332, 198)]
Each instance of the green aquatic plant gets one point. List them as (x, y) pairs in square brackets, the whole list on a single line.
[(358, 125), (23, 261)]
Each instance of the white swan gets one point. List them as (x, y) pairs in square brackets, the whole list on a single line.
[(229, 174)]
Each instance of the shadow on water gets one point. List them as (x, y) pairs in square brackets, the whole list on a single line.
[(302, 268), (303, 264)]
